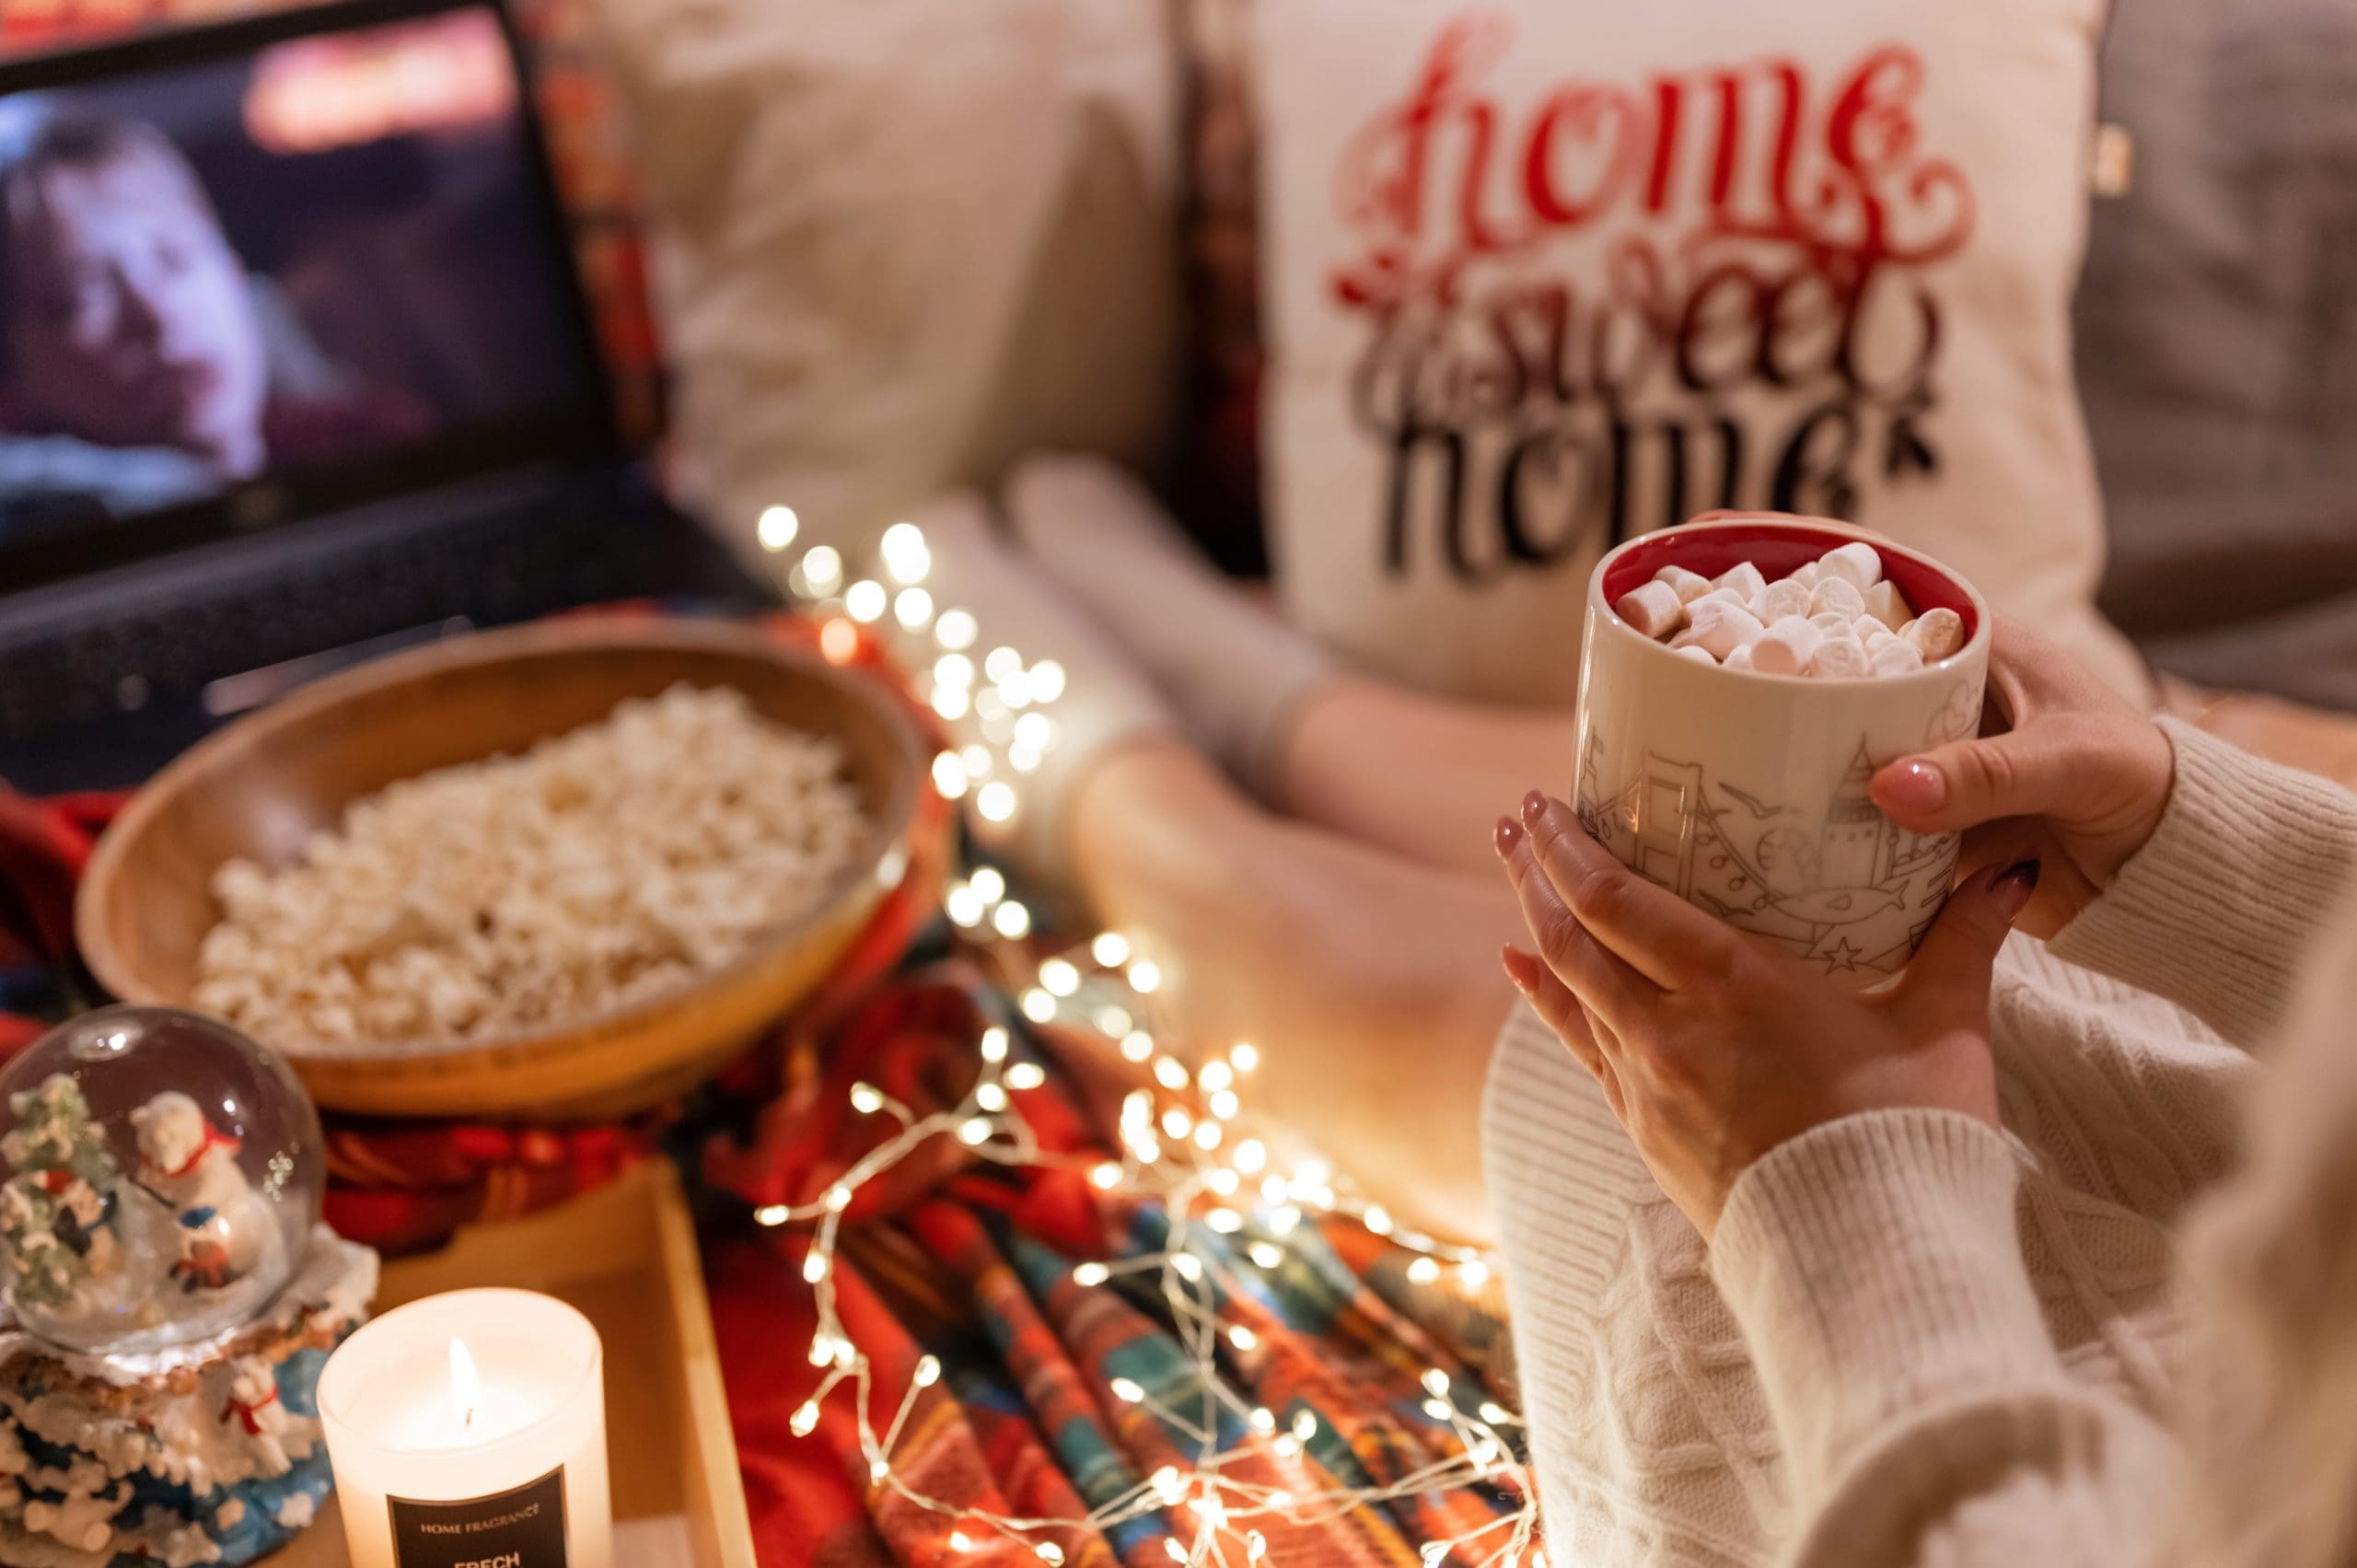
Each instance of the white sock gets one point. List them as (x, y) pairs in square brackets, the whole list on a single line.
[(1236, 671), (1105, 700)]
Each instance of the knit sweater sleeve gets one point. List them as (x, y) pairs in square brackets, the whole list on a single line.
[(2219, 909), (1874, 1265)]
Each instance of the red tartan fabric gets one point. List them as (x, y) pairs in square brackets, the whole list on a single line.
[(406, 1186), (972, 1263)]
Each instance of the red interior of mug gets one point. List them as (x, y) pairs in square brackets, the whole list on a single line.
[(1780, 549)]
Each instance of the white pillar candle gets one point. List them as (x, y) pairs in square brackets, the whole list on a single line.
[(469, 1431)]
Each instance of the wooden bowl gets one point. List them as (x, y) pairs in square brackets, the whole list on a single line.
[(263, 787)]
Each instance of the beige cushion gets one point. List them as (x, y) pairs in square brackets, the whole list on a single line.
[(898, 242), (1409, 287)]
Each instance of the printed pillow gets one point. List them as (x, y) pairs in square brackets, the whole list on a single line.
[(899, 243), (1539, 276)]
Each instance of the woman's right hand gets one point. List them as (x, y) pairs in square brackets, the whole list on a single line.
[(2067, 773)]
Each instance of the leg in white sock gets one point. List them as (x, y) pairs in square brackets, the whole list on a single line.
[(1105, 702), (1234, 669)]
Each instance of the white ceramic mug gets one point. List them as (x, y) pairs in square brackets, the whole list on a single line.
[(1746, 794)]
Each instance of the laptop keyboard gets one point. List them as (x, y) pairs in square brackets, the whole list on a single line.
[(162, 636)]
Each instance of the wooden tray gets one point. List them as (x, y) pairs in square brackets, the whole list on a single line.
[(626, 1256)]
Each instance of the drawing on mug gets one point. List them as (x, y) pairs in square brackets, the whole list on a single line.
[(1851, 889)]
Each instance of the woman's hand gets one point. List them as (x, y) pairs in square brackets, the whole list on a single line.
[(2076, 779), (1714, 1048)]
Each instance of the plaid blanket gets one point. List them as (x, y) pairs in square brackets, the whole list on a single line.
[(948, 1256), (972, 1264)]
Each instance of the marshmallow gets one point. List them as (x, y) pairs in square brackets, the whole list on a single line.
[(1838, 658), (1690, 585), (1806, 576), (1652, 608), (1739, 659), (1697, 653), (1778, 599), (1837, 595), (1868, 626), (1786, 647), (1718, 626), (1936, 633), (1718, 595), (1857, 563), (1895, 656), (1743, 578), (1833, 623), (1877, 641), (1887, 605)]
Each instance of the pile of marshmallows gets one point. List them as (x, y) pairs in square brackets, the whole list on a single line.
[(1835, 619)]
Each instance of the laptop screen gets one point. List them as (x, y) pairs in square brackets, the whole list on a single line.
[(292, 269)]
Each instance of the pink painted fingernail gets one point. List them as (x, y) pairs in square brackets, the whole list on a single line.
[(1510, 959), (1534, 806), (1913, 786), (1509, 835)]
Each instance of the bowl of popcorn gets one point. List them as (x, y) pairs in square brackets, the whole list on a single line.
[(561, 870), (1744, 680)]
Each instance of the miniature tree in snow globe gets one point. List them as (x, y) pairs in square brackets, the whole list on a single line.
[(173, 1294)]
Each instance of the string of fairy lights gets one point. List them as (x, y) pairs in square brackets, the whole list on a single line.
[(1182, 1146)]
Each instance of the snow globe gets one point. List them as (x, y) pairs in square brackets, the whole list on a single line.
[(171, 1295)]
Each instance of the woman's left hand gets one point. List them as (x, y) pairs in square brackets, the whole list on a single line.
[(1713, 1047)]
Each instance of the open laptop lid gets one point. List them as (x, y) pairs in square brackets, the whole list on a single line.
[(255, 272)]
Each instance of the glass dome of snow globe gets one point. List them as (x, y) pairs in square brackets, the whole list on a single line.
[(162, 1177)]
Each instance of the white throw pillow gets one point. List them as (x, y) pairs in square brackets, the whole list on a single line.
[(899, 243), (1532, 288)]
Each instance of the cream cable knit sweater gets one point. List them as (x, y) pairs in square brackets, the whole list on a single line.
[(1918, 1339)]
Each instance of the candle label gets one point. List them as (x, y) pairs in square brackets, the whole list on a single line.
[(523, 1528)]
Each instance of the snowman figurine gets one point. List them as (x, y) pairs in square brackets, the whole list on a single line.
[(192, 1167)]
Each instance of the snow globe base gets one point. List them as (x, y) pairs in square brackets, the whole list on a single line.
[(199, 1454)]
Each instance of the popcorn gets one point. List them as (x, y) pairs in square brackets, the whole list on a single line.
[(1653, 607), (1832, 618), (1689, 585)]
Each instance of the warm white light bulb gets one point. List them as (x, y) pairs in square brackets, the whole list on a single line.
[(867, 1098), (991, 1097), (1111, 949), (814, 1267), (955, 630), (987, 880), (974, 1133), (994, 1044), (1058, 978), (1215, 1075), (1038, 1006), (1170, 1072), (928, 1371), (806, 1419), (1245, 1057), (1267, 1254), (1127, 1391), (822, 569), (1026, 1076), (863, 601), (995, 801), (777, 527), (1105, 1176), (1047, 680), (1012, 918), (1091, 1274), (1422, 1271), (948, 776), (913, 608), (1145, 975), (1251, 1155), (1137, 1045)]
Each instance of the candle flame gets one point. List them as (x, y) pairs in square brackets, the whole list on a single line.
[(466, 1389)]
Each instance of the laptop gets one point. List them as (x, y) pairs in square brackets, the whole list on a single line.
[(295, 369)]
